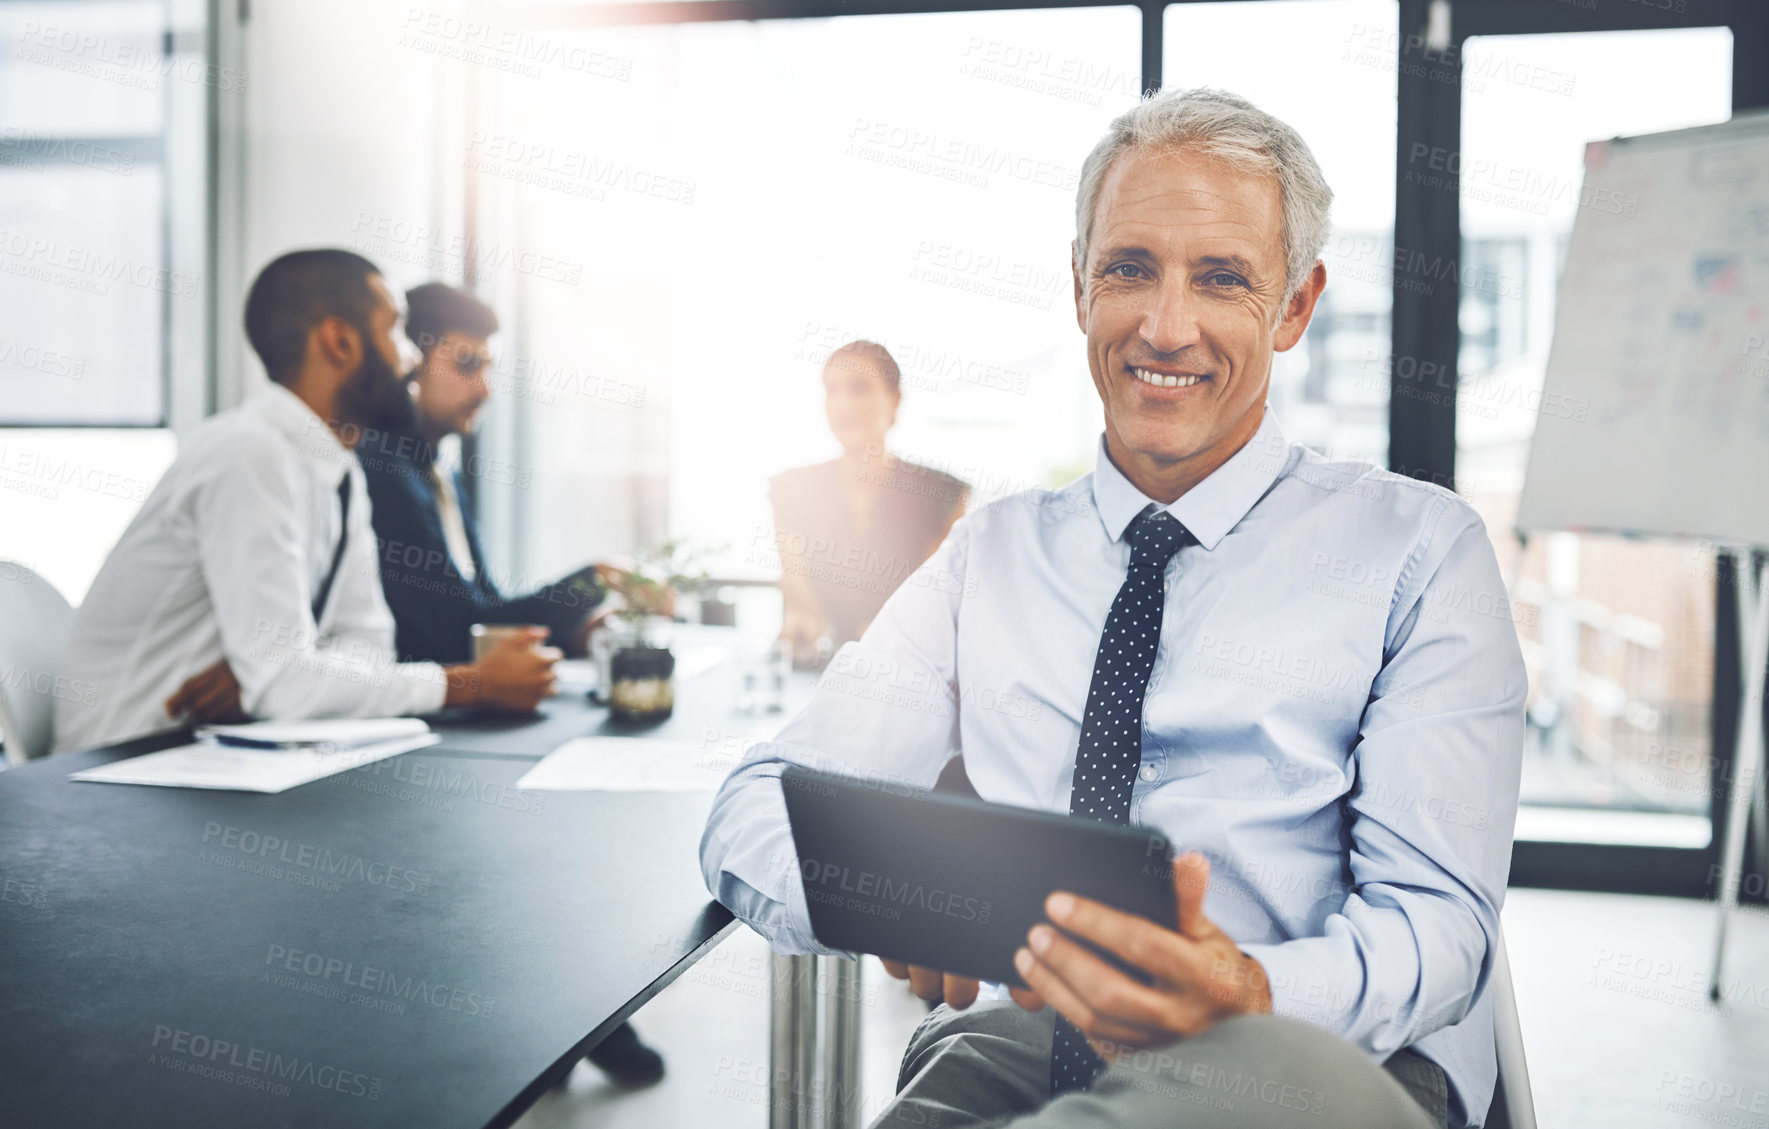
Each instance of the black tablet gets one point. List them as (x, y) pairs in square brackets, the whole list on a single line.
[(952, 882)]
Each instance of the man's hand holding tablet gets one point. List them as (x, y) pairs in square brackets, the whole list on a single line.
[(1198, 977), (933, 985), (1067, 912)]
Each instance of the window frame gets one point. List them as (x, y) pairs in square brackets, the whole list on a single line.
[(185, 30)]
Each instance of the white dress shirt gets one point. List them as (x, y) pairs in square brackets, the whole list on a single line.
[(223, 561), (1335, 719), (454, 526)]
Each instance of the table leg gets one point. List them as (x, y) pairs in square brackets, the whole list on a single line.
[(841, 1043), (814, 1056)]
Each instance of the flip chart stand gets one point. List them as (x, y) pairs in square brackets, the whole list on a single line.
[(1747, 786)]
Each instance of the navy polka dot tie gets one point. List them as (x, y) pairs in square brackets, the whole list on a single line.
[(1111, 730)]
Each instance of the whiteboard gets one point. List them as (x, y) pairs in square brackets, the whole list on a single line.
[(1655, 415)]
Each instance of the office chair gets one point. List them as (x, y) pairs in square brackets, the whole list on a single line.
[(34, 623), (1513, 1106)]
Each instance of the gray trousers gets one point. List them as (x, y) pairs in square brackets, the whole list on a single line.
[(989, 1065)]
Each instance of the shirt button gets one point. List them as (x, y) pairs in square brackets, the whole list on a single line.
[(1148, 774)]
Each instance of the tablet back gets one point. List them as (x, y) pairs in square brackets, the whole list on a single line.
[(954, 883)]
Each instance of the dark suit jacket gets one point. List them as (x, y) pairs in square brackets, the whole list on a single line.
[(433, 604)]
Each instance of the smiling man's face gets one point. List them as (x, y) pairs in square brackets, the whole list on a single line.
[(1182, 301)]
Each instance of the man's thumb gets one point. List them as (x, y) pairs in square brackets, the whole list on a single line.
[(1191, 877)]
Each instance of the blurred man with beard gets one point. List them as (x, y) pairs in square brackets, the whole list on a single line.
[(247, 585)]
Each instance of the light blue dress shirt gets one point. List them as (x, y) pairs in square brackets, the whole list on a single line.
[(1335, 719)]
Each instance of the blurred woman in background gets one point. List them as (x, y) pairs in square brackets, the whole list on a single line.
[(851, 530)]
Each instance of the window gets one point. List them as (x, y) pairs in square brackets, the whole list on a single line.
[(99, 275), (1331, 391), (1618, 635), (102, 296), (742, 198)]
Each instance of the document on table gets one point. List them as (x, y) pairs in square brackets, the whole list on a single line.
[(330, 732), (692, 662), (298, 753), (628, 764)]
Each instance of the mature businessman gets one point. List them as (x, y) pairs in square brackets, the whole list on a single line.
[(1289, 666)]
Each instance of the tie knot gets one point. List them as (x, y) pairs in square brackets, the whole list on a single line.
[(1154, 538)]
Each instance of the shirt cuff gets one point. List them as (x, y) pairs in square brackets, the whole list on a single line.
[(1298, 988), (428, 684)]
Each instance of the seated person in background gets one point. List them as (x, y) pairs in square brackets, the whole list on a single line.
[(850, 531), (247, 584), (433, 569), (1164, 641)]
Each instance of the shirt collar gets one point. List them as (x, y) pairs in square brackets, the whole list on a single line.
[(1212, 507), (306, 432)]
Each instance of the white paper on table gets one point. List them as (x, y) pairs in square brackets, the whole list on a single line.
[(696, 661), (627, 764), (577, 674), (338, 732), (225, 767)]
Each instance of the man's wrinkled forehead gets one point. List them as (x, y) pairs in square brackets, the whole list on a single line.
[(1159, 191)]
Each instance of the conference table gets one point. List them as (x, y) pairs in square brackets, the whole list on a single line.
[(410, 942)]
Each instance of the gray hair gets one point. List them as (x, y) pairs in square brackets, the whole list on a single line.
[(1228, 128)]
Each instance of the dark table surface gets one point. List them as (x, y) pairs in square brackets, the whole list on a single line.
[(411, 943)]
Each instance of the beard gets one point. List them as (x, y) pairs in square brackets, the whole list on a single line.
[(375, 397)]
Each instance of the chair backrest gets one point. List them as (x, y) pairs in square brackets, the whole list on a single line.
[(1513, 1106), (34, 623)]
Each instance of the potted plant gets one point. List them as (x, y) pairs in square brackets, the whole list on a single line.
[(637, 667)]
